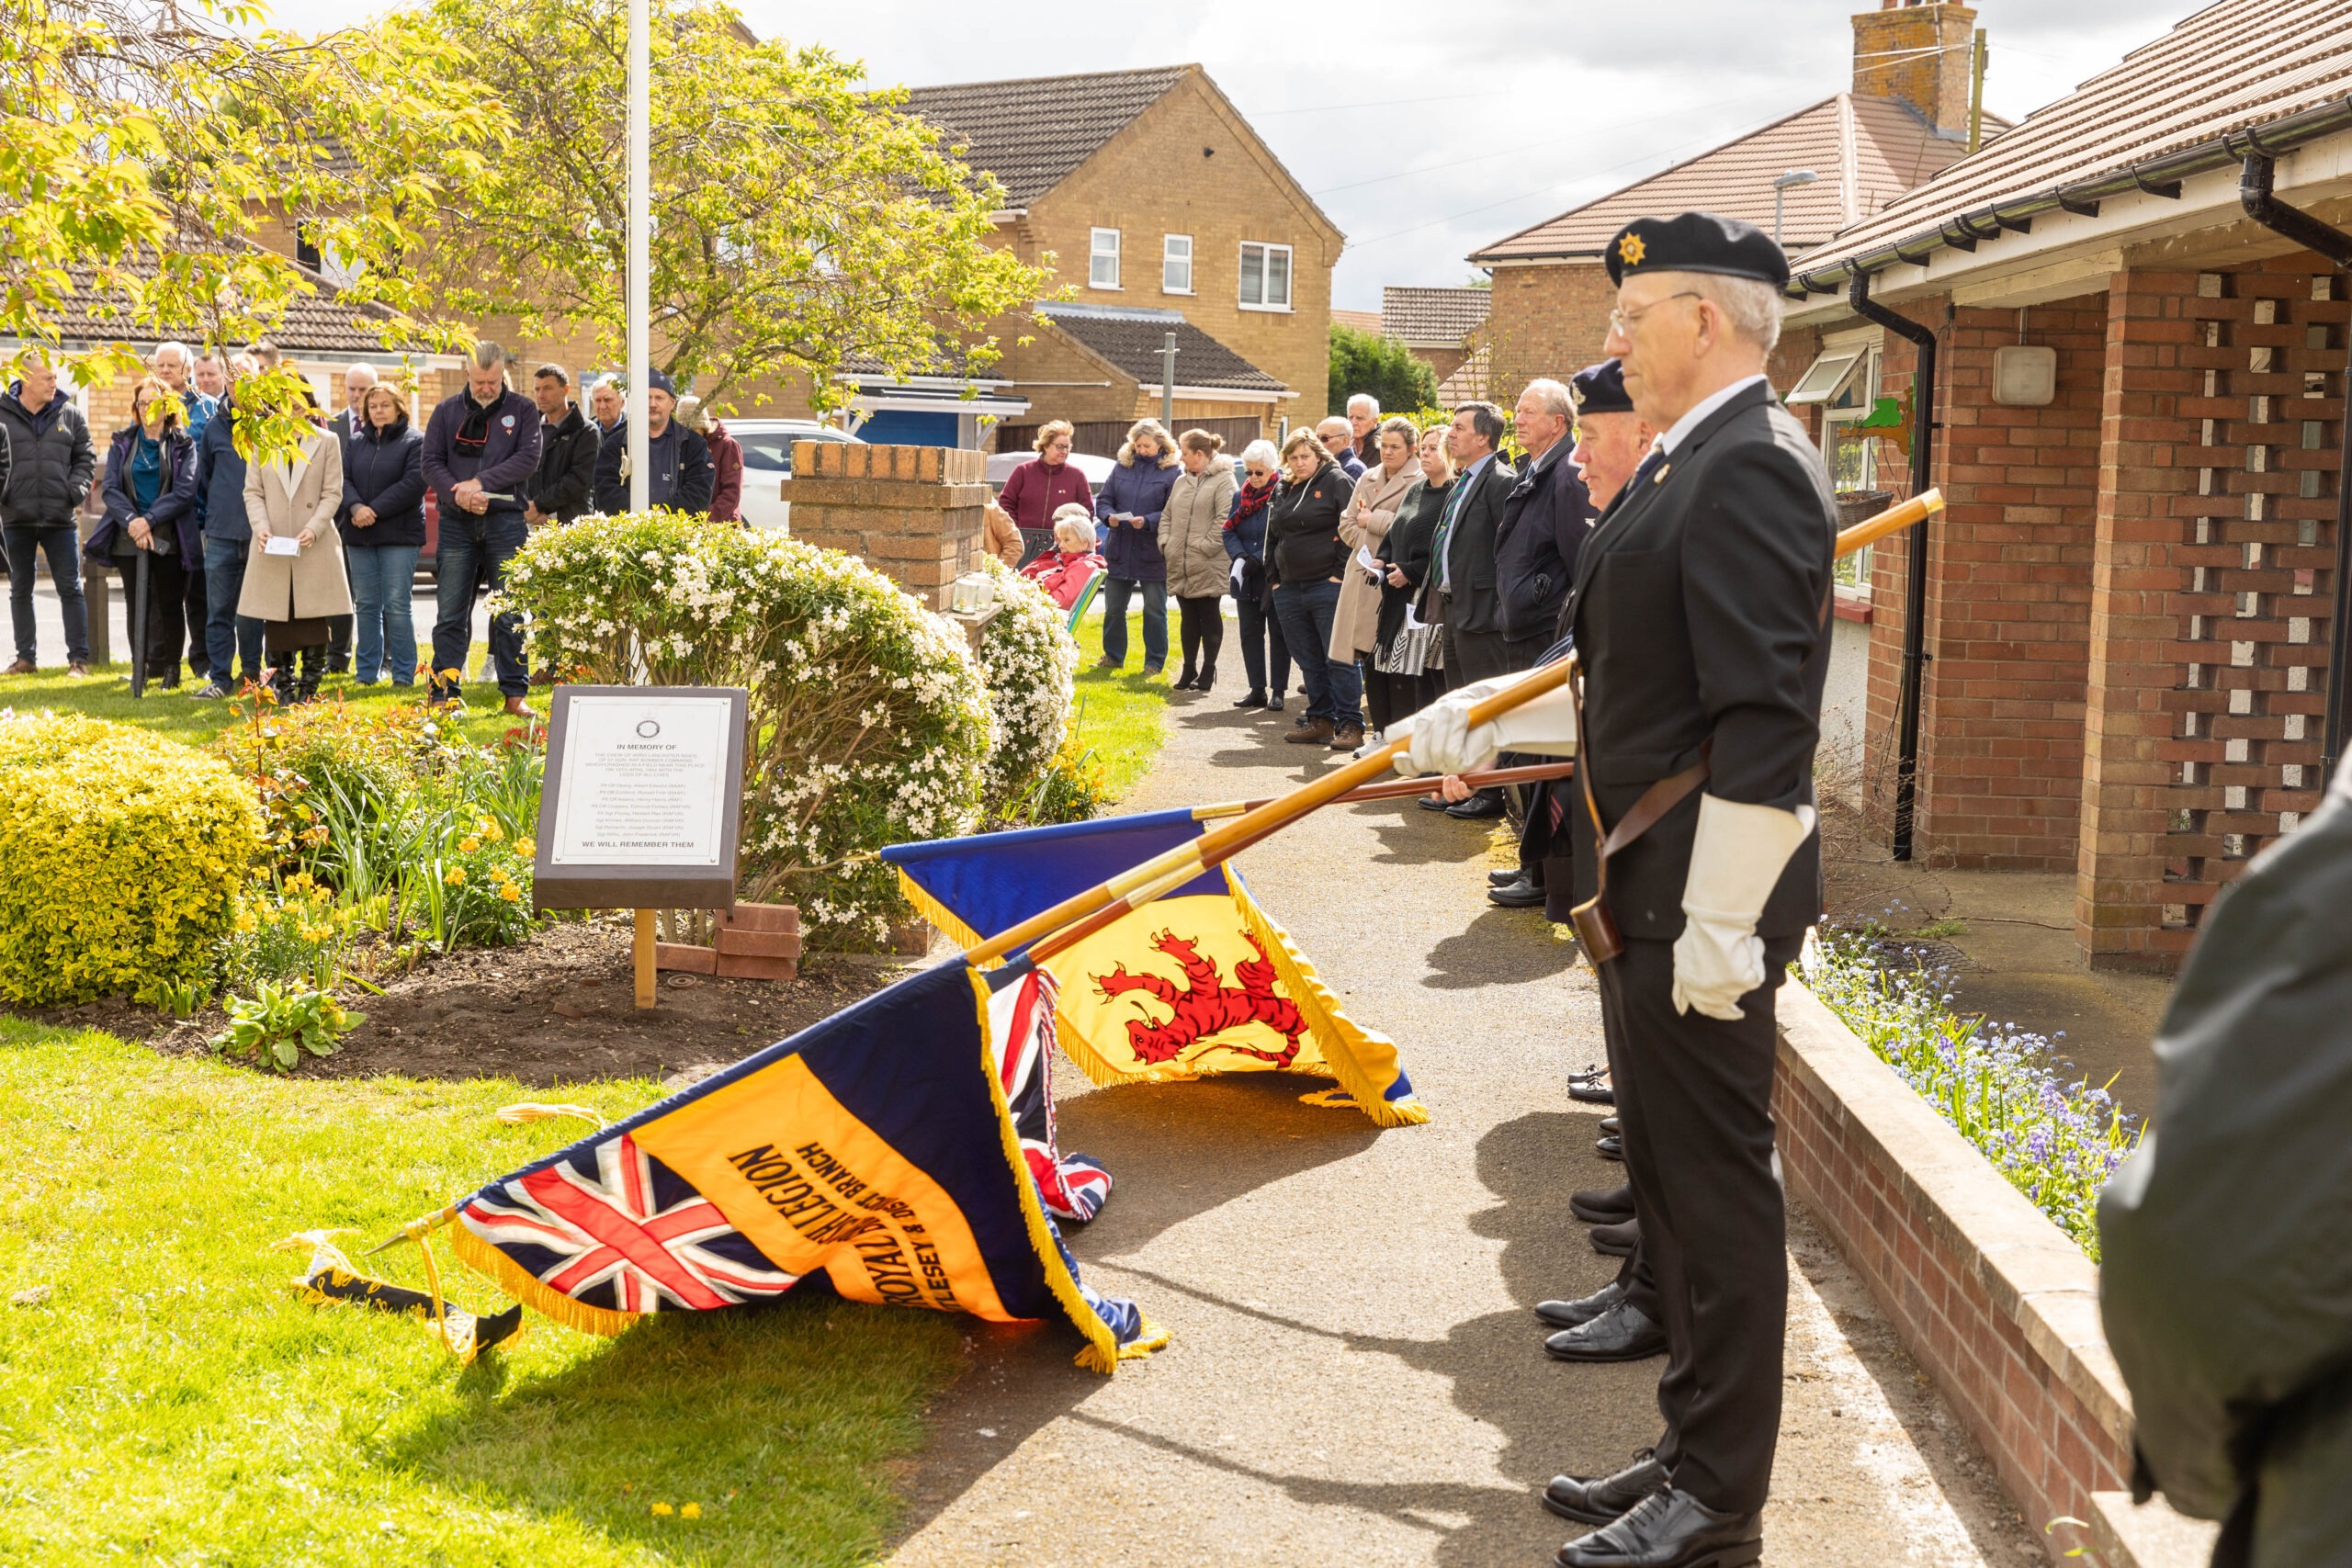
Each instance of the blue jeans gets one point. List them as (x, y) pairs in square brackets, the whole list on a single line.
[(62, 545), (1333, 687), (473, 561), (230, 639), (1116, 594), (383, 581)]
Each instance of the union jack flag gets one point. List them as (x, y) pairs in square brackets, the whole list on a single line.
[(614, 1227), (1022, 1017)]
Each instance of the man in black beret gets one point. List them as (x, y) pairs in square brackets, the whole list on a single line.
[(1698, 616)]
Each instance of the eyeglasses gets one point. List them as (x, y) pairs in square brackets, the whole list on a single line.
[(1621, 322)]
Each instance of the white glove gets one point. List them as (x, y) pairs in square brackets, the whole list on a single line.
[(1443, 742), (1735, 862)]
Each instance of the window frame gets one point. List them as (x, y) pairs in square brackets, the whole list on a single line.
[(1096, 255), (1852, 573), (1168, 259), (1266, 249)]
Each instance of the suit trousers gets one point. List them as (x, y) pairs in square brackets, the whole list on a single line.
[(1265, 657), (1694, 1098)]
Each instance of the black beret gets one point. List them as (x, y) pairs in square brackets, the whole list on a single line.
[(1696, 242), (1601, 389)]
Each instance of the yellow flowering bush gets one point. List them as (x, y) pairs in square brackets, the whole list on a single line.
[(124, 853)]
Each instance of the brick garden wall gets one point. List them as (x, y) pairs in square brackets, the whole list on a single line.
[(1990, 1297), (911, 513)]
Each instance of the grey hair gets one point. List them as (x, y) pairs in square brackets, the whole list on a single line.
[(352, 371), (1334, 424), (1752, 306), (1074, 532), (1553, 398), (488, 355), (186, 355), (1368, 400), (1261, 451)]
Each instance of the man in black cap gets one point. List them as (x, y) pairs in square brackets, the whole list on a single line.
[(1698, 620), (677, 460)]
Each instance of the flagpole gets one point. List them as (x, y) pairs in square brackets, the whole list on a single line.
[(640, 140), (1397, 789), (1162, 874)]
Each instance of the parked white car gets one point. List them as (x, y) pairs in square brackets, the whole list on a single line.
[(767, 464)]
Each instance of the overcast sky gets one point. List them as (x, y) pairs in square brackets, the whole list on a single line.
[(1424, 140)]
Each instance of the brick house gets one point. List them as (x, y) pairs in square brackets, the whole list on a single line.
[(1158, 207), (1905, 117), (2132, 618)]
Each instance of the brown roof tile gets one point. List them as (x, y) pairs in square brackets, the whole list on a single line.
[(1469, 381), (1362, 320), (1130, 339), (1031, 133), (316, 323), (1433, 317), (1868, 151), (2232, 65)]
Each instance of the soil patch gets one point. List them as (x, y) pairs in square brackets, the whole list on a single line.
[(557, 1009)]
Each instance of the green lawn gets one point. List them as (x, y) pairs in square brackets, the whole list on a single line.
[(103, 694), (1120, 714), (170, 1401)]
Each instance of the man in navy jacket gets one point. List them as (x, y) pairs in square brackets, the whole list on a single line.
[(1544, 521), (228, 639), (481, 449)]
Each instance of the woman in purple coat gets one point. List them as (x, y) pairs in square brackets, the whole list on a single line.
[(1129, 508)]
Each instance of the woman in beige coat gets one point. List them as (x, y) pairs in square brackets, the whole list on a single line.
[(1355, 623), (293, 594), (1192, 540)]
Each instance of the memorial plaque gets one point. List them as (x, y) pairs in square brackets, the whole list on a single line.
[(642, 801)]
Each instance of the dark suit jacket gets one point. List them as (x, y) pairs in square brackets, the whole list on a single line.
[(1697, 615), (1544, 521), (1470, 549)]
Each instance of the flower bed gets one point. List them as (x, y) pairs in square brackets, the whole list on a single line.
[(1996, 1084)]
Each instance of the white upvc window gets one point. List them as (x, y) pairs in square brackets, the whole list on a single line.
[(1265, 277), (1103, 259), (1844, 384), (1176, 263)]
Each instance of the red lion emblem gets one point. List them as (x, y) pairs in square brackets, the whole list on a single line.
[(1207, 1007)]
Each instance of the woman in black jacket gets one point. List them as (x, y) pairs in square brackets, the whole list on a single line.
[(1405, 676), (382, 523), (150, 524), (1305, 556)]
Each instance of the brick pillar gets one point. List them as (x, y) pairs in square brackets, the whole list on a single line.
[(2141, 662), (911, 513)]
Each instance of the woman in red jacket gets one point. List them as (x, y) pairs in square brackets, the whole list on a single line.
[(1045, 484), (726, 460)]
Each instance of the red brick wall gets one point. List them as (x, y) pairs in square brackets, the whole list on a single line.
[(2211, 590), (910, 512), (2002, 741), (1958, 1281)]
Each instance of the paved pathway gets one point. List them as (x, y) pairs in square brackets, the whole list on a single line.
[(1355, 1376)]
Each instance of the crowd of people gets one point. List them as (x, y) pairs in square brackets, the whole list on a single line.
[(285, 571)]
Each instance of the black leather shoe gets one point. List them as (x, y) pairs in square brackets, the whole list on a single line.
[(1251, 700), (1616, 1240), (1478, 808), (1611, 1127), (1591, 1087), (1605, 1499), (1610, 1148), (1433, 803), (1623, 1333), (1584, 1309), (1670, 1529), (1520, 895), (1505, 878), (1602, 1206)]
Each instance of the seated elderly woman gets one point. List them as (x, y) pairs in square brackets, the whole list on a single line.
[(1065, 570)]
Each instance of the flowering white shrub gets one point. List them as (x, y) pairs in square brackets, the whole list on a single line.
[(868, 725), (1029, 660)]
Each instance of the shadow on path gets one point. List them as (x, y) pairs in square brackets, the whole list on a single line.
[(1494, 948)]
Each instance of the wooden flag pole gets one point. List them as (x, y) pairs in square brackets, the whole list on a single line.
[(1398, 789), (1171, 869), (643, 958)]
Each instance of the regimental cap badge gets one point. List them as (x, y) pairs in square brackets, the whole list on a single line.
[(1630, 248)]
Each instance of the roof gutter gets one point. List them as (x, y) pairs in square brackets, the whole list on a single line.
[(2255, 195), (1914, 585), (2157, 177)]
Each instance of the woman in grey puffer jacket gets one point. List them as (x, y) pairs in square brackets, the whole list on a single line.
[(1192, 540)]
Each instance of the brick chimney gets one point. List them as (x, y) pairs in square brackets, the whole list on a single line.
[(1918, 53)]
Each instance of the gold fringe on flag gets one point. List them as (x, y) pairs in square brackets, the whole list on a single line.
[(332, 1280)]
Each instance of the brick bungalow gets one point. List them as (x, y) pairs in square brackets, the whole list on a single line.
[(2130, 620), (1905, 117), (1436, 323)]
